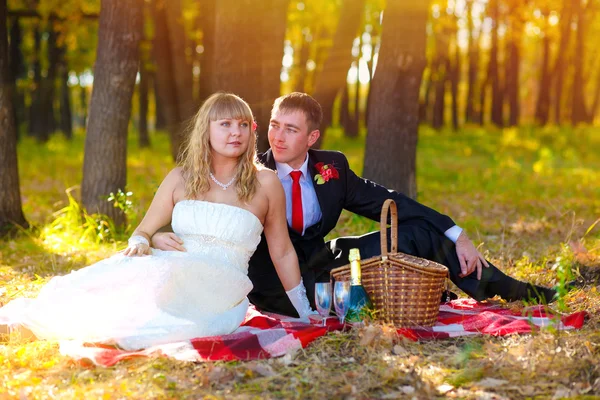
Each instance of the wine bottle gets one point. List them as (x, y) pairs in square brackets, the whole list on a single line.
[(359, 299)]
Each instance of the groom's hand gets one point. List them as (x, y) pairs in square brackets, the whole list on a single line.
[(167, 241), (469, 257)]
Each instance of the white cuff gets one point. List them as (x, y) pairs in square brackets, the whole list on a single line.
[(453, 233), (138, 239), (299, 300)]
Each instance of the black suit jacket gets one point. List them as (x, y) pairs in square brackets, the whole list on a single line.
[(349, 192)]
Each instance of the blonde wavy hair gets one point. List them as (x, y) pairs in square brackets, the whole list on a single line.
[(196, 158)]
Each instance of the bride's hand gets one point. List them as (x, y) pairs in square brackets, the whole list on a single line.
[(137, 245), (167, 241), (136, 250)]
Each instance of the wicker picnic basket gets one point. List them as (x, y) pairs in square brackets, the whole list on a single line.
[(406, 290)]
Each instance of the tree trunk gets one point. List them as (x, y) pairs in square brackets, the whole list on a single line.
[(391, 146), (494, 76), (11, 212), (542, 109), (335, 69), (236, 68), (579, 109), (160, 123), (513, 84), (473, 52), (454, 81), (182, 77), (300, 85), (66, 116), (166, 93), (437, 120), (562, 58), (424, 112), (208, 19), (66, 125), (49, 83), (37, 118), (104, 166), (17, 71), (143, 136)]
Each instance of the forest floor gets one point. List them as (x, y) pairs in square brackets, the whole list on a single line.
[(529, 196)]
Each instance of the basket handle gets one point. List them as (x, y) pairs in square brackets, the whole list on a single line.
[(389, 206)]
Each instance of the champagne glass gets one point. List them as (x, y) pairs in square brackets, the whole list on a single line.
[(323, 299), (341, 299)]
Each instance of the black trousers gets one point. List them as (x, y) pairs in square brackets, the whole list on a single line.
[(419, 239), (415, 237)]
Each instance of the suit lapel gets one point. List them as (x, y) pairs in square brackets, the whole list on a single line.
[(319, 189)]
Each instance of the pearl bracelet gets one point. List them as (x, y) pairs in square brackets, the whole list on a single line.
[(138, 239)]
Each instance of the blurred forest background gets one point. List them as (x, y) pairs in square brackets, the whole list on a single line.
[(378, 68), (485, 110)]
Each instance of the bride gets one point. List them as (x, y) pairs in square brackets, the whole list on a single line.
[(219, 201)]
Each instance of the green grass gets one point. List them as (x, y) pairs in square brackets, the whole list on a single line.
[(528, 195)]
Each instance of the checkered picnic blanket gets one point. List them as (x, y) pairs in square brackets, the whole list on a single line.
[(264, 336)]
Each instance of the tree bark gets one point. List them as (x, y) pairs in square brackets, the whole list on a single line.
[(17, 71), (237, 68), (166, 93), (66, 116), (208, 19), (390, 155), (454, 82), (104, 166), (336, 66), (512, 66), (579, 109), (300, 85), (494, 75), (542, 109), (473, 53), (11, 212), (143, 136), (37, 118), (562, 59)]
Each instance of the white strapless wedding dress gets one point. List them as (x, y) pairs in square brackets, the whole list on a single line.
[(138, 302)]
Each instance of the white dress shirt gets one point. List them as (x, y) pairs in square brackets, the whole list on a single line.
[(311, 211)]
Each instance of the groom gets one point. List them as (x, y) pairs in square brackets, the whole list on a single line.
[(318, 184)]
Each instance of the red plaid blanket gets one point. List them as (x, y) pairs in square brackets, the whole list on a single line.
[(263, 336)]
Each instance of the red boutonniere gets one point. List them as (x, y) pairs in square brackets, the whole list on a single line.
[(326, 172), (254, 126)]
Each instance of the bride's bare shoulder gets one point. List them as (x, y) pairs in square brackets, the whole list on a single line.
[(174, 178), (268, 179)]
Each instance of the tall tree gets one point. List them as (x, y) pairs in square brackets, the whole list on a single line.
[(473, 53), (174, 80), (11, 212), (207, 23), (513, 61), (391, 146), (542, 108), (494, 71), (333, 76), (561, 63), (104, 166), (66, 116), (253, 70), (143, 86), (17, 71), (579, 111)]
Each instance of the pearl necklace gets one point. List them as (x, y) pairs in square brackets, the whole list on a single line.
[(222, 185)]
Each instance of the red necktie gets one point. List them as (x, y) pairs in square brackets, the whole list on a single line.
[(297, 217)]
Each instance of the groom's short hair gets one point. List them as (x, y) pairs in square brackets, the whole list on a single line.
[(298, 101)]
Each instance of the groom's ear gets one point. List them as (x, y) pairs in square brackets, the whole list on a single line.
[(313, 137)]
